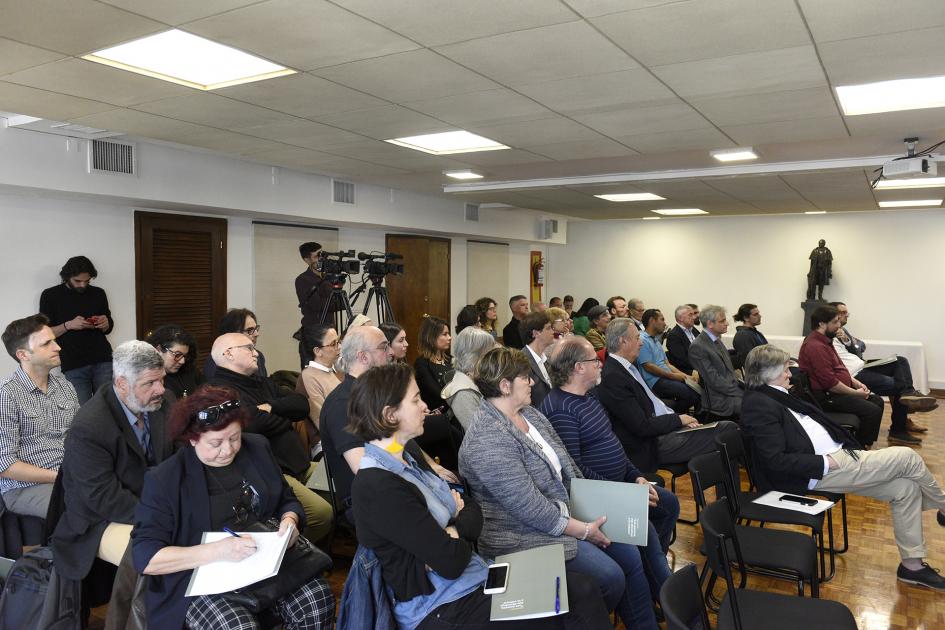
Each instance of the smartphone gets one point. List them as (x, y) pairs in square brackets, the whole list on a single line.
[(458, 487), (801, 500), (497, 579)]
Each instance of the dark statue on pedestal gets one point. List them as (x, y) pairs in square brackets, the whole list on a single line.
[(821, 270)]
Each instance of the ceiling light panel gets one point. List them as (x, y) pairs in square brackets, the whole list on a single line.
[(816, 212), (892, 96), (448, 142), (679, 212), (620, 197), (467, 174), (922, 182), (189, 60), (910, 203), (734, 155)]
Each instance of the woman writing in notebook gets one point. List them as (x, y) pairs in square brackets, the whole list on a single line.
[(220, 479)]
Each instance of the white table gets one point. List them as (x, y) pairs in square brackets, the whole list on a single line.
[(914, 351)]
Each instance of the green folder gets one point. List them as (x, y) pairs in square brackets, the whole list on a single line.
[(532, 581), (626, 506)]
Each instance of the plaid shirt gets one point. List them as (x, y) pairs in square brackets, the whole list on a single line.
[(33, 423)]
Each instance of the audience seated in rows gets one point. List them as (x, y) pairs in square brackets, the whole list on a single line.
[(179, 349), (422, 532), (79, 316), (647, 428), (636, 309), (397, 341), (661, 376), (798, 448), (747, 336), (721, 390), (599, 317), (220, 477), (467, 316), (434, 361), (37, 407), (272, 413), (833, 387), (617, 307), (585, 430), (319, 378), (242, 321), (580, 322), (488, 315), (517, 469), (555, 302), (511, 336), (680, 337), (461, 393), (536, 329), (561, 323)]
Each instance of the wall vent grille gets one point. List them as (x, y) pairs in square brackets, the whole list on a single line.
[(108, 156), (342, 192), (472, 212)]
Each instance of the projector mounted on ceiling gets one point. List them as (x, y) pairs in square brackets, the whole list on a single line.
[(913, 165)]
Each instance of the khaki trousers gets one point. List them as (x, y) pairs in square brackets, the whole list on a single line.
[(897, 475), (114, 542), (318, 513)]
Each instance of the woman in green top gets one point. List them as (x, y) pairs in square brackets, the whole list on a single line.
[(581, 323)]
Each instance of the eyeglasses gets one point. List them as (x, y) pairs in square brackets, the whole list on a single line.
[(595, 360), (178, 356), (252, 331), (249, 346), (333, 344), (207, 417), (383, 347), (247, 503)]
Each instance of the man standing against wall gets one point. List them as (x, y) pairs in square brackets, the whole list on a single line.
[(511, 336), (79, 317), (312, 290)]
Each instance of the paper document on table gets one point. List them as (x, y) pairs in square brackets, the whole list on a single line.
[(776, 499), (224, 576)]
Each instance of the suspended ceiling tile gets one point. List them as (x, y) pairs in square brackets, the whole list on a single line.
[(769, 188), (767, 107), (885, 57), (552, 129), (501, 158), (73, 27), (303, 133), (438, 22), (767, 71), (540, 54), (408, 76), (302, 34), (486, 107), (641, 120), (392, 155), (176, 12), (788, 131), (86, 79), (685, 140), (383, 123), (15, 56), (581, 149), (600, 92), (301, 95), (29, 101), (924, 123), (213, 111), (679, 32), (226, 141), (595, 8), (142, 124), (846, 19)]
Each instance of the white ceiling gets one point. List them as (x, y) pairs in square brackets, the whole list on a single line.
[(575, 87)]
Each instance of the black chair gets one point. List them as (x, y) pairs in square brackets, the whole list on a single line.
[(733, 453), (682, 603), (676, 471), (772, 552), (338, 520), (748, 609)]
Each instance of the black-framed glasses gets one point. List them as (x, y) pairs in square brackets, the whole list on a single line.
[(209, 416), (178, 356), (595, 360), (252, 331), (247, 503)]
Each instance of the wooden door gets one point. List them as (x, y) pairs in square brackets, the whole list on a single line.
[(180, 275), (425, 286)]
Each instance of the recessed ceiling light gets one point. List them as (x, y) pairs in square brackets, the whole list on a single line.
[(910, 203), (189, 60), (448, 142), (652, 218), (679, 212), (734, 155), (631, 197), (467, 174), (928, 182), (892, 96), (816, 212)]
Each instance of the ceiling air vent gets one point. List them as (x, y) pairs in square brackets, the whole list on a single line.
[(342, 192), (109, 156), (472, 212)]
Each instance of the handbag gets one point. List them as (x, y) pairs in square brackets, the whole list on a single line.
[(302, 562)]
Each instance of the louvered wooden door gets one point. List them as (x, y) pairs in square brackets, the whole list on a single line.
[(180, 265)]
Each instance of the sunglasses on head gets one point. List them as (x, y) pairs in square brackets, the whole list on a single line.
[(209, 416)]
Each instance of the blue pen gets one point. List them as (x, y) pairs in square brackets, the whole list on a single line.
[(231, 532), (558, 595)]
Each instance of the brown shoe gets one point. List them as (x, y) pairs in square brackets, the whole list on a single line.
[(917, 402), (912, 427)]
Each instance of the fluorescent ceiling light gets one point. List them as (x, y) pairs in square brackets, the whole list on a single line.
[(631, 197), (816, 212), (467, 174), (734, 155), (892, 96), (679, 212), (907, 203), (652, 218), (929, 182), (448, 142), (189, 60)]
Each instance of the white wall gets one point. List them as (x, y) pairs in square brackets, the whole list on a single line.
[(887, 268)]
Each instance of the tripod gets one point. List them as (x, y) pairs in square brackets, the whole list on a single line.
[(338, 298), (381, 301)]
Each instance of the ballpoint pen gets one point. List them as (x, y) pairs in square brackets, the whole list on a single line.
[(231, 532), (558, 595)]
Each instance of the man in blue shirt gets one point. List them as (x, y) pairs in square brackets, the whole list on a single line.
[(664, 379)]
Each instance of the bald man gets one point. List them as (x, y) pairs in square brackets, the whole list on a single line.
[(272, 414)]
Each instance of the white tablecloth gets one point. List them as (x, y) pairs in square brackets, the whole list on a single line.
[(875, 349)]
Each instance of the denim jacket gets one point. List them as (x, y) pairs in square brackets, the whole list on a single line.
[(365, 604)]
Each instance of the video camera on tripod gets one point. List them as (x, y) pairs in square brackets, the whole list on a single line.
[(335, 267), (380, 265)]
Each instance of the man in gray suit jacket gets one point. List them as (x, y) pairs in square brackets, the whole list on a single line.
[(538, 335), (721, 391)]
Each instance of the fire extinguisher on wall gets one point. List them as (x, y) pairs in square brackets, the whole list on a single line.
[(538, 273)]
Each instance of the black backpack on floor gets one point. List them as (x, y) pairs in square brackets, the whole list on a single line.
[(35, 597)]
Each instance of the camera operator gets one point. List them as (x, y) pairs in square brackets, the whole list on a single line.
[(312, 290)]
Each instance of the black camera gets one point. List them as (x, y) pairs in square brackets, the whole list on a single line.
[(334, 263), (380, 265)]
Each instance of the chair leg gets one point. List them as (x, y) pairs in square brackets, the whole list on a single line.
[(672, 483), (843, 516)]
